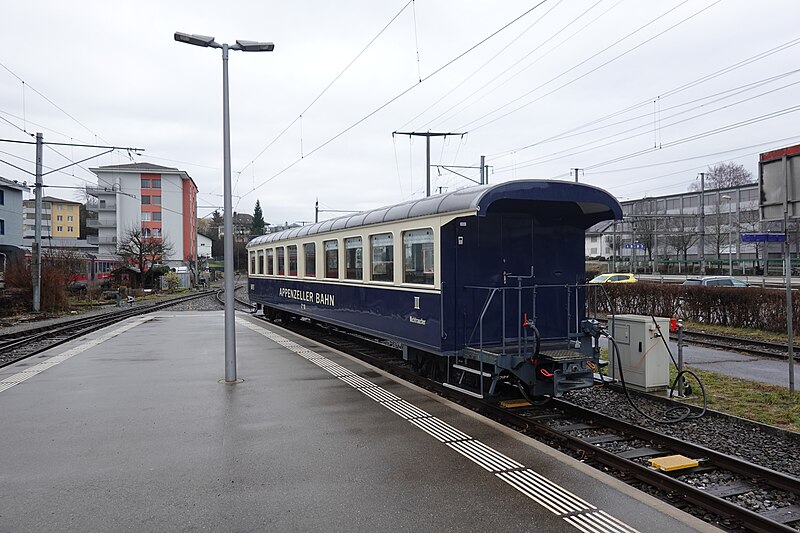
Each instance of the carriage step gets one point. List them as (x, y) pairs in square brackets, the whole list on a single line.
[(472, 371), (464, 391)]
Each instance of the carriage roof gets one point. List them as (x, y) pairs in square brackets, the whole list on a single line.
[(593, 204)]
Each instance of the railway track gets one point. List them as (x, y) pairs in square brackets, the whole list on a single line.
[(23, 344), (738, 344), (619, 446), (243, 304)]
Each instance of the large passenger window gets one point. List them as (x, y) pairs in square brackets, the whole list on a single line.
[(270, 263), (418, 256), (261, 261), (310, 255), (252, 262), (291, 252), (331, 259), (353, 258), (279, 258), (382, 257)]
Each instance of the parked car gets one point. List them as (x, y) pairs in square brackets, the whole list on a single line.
[(716, 281), (614, 278)]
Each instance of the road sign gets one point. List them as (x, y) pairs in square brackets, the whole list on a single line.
[(763, 237)]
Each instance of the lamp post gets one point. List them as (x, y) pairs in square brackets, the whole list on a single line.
[(730, 244), (230, 323)]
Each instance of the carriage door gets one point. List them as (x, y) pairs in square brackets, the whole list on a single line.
[(516, 253)]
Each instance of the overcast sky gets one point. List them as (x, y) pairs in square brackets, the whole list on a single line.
[(640, 95)]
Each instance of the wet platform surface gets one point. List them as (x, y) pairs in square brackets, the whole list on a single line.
[(129, 429)]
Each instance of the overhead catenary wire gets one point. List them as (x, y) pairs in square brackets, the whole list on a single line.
[(479, 69), (581, 149), (48, 100), (397, 96), (496, 79), (598, 67), (335, 79), (676, 90)]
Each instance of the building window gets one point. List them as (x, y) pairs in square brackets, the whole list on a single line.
[(260, 262), (157, 216), (145, 183), (593, 238), (155, 184), (2, 227), (146, 232), (418, 256), (674, 203), (291, 254), (145, 216), (59, 218), (270, 263), (353, 258), (69, 208), (70, 228), (382, 257), (145, 199), (59, 228), (59, 207), (331, 259), (2, 197), (279, 258), (310, 254), (156, 232), (69, 218), (156, 200)]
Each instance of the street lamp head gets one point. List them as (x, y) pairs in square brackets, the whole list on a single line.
[(254, 46), (197, 40)]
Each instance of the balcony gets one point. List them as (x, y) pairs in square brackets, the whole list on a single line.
[(94, 223), (98, 240), (106, 207)]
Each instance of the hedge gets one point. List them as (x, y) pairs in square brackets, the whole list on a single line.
[(751, 307)]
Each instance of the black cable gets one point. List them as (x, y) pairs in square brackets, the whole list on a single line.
[(684, 410)]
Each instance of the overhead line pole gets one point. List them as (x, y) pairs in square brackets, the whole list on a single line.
[(427, 136), (36, 270)]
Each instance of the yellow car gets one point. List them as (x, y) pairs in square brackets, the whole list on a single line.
[(614, 278)]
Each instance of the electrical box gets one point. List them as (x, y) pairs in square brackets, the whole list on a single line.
[(643, 354)]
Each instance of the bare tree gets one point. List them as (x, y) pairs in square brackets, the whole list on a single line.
[(681, 235), (643, 216), (724, 176), (142, 251)]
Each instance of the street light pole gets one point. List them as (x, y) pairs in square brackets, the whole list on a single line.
[(230, 318)]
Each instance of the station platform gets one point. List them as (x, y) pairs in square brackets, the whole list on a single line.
[(131, 429)]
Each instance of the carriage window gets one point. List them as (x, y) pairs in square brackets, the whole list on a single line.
[(292, 255), (252, 262), (279, 259), (270, 263), (354, 259), (382, 257), (418, 256), (331, 259), (261, 261), (310, 253)]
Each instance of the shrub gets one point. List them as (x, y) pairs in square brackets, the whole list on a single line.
[(753, 308)]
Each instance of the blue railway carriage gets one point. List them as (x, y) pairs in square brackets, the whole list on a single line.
[(481, 286)]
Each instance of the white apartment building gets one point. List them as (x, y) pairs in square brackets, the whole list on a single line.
[(161, 201)]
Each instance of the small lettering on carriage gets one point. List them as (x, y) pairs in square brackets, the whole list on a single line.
[(415, 320)]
